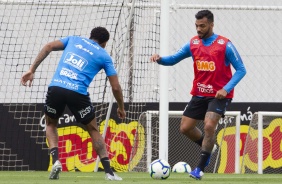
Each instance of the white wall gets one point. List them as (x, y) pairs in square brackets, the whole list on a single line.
[(255, 33)]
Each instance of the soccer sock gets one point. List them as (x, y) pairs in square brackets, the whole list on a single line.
[(106, 164), (205, 156), (54, 152), (200, 141)]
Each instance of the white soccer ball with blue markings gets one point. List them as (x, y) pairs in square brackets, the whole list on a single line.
[(159, 169), (181, 167)]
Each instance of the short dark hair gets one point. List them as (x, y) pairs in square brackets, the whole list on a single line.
[(100, 34), (205, 13)]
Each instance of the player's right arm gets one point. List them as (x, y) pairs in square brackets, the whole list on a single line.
[(49, 47), (181, 54)]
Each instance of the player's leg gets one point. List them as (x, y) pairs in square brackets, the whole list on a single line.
[(193, 114), (53, 108), (215, 111), (189, 129), (52, 138), (208, 143), (99, 144), (210, 124), (100, 147), (80, 105)]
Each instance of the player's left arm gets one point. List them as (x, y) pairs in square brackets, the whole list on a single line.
[(116, 88), (232, 57), (45, 51)]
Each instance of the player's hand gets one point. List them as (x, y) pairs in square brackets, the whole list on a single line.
[(221, 94), (155, 58), (27, 77), (121, 113)]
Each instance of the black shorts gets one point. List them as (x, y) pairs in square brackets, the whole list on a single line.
[(198, 106), (58, 98)]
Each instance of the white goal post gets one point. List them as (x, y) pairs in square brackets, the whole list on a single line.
[(150, 114)]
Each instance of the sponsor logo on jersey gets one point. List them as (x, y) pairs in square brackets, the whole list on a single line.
[(196, 41), (84, 112), (205, 88), (67, 84), (221, 41), (205, 65), (68, 73), (75, 61), (95, 46), (78, 46)]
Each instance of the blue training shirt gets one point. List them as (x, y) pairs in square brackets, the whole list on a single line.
[(81, 60), (231, 57)]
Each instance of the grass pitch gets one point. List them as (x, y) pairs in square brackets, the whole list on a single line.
[(37, 177)]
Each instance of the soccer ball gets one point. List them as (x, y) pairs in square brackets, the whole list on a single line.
[(181, 167), (159, 169)]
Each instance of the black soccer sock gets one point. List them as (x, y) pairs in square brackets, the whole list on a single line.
[(106, 164), (54, 152), (205, 156), (200, 141)]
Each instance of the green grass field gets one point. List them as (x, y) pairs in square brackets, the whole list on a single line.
[(29, 177)]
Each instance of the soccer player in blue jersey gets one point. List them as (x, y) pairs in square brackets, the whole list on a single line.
[(81, 60), (213, 84)]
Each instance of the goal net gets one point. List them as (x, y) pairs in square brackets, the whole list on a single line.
[(183, 149), (263, 145), (26, 25)]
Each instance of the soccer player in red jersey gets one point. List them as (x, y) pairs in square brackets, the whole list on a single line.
[(213, 84)]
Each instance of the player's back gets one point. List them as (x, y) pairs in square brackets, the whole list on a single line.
[(81, 60)]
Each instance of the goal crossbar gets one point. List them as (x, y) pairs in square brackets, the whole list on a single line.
[(146, 5)]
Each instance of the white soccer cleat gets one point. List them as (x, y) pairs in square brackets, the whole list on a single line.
[(56, 169), (114, 177)]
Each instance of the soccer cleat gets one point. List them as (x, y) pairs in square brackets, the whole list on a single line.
[(56, 169), (197, 174), (114, 177)]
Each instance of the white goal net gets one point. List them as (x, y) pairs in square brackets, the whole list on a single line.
[(26, 25), (183, 149), (263, 146)]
